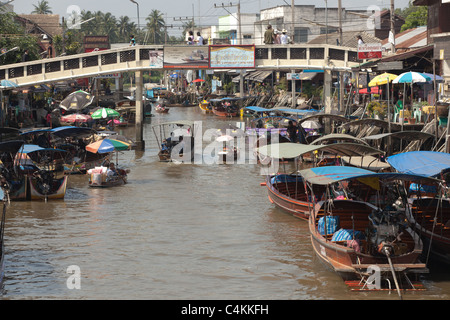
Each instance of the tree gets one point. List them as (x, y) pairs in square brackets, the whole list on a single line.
[(42, 8), (156, 26), (416, 18), (16, 37)]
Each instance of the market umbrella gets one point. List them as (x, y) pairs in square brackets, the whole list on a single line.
[(224, 138), (104, 113), (412, 77), (107, 145), (198, 80), (309, 124), (76, 117), (77, 100), (384, 79)]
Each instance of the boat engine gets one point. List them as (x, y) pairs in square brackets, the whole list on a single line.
[(385, 231), (44, 181)]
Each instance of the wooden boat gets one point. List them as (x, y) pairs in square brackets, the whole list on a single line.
[(42, 171), (287, 191), (175, 140), (355, 231), (205, 106), (430, 214), (161, 109), (98, 178), (225, 107)]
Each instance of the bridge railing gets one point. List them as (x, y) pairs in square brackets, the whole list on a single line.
[(137, 58)]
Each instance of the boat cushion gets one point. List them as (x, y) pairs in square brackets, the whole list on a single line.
[(332, 224), (347, 234)]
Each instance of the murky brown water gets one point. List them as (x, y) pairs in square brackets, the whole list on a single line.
[(174, 232)]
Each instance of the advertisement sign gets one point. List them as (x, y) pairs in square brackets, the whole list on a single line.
[(369, 51), (232, 56), (187, 57), (293, 76), (156, 59)]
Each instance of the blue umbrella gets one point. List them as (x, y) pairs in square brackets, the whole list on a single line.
[(438, 78)]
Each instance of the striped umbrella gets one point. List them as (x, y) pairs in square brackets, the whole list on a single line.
[(107, 145), (104, 113), (412, 77)]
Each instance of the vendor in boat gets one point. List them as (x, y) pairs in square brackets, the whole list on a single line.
[(292, 131), (112, 171)]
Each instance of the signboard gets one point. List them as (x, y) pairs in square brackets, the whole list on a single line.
[(369, 51), (232, 56), (293, 76), (156, 59), (393, 65), (186, 57), (92, 43)]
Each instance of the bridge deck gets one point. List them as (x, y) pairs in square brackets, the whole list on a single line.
[(269, 57)]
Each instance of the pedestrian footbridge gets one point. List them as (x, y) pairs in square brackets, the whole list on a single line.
[(138, 58)]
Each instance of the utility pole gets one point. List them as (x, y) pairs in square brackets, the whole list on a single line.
[(392, 33), (326, 21), (292, 19), (239, 37), (340, 22)]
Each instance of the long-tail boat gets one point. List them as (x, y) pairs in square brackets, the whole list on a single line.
[(287, 191), (358, 227), (430, 214)]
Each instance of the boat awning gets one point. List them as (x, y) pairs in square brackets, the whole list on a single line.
[(320, 116), (258, 109), (295, 111), (11, 146), (367, 162), (339, 137), (405, 135), (332, 174), (290, 150), (29, 148), (427, 163), (178, 123)]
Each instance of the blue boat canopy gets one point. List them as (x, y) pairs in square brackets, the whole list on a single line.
[(425, 163), (258, 109), (29, 148), (331, 174)]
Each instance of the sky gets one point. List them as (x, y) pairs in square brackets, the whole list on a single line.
[(176, 12)]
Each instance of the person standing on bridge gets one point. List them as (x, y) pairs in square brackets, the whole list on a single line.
[(26, 56), (269, 36), (132, 41)]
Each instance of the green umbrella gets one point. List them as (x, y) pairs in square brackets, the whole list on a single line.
[(105, 113)]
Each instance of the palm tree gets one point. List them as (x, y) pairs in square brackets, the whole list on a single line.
[(188, 26), (156, 26), (42, 8), (125, 28)]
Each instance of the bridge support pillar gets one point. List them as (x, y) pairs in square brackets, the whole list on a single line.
[(140, 143), (327, 98)]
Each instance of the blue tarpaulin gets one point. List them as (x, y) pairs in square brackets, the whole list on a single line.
[(425, 163)]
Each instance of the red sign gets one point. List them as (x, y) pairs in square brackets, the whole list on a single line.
[(369, 51)]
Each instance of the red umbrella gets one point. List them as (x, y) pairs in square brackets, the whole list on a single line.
[(75, 117), (198, 80), (373, 90)]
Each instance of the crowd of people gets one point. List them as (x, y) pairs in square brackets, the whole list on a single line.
[(273, 36)]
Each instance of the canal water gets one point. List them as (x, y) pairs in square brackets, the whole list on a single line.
[(174, 232)]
